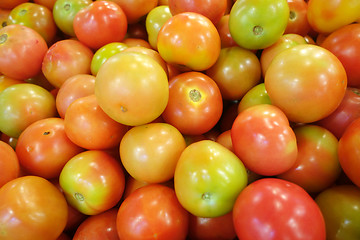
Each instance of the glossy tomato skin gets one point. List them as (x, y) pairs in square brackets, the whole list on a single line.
[(43, 148), (9, 164), (190, 40), (307, 82), (31, 207), (21, 51), (345, 44), (195, 103), (162, 216), (298, 22), (100, 23), (263, 139), (207, 179), (223, 28), (340, 207), (272, 208), (93, 181)]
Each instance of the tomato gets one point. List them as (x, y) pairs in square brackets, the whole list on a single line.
[(31, 208), (258, 24), (263, 139), (9, 164), (190, 40), (349, 154), (212, 228), (65, 59), (155, 19), (93, 181), (306, 82), (23, 104), (195, 103), (100, 23), (101, 226), (35, 16), (256, 95), (136, 42), (150, 152), (4, 14), (212, 9), (345, 44), (22, 50), (64, 12), (162, 217), (271, 208), (298, 22), (340, 207), (235, 72), (88, 126), (347, 111), (317, 165), (130, 96), (223, 28), (46, 3), (225, 139), (10, 4), (6, 81), (137, 30), (208, 177), (136, 10), (77, 86), (103, 53), (325, 16)]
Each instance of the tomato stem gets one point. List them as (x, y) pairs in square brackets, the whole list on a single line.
[(79, 196), (195, 95), (3, 38), (257, 30), (292, 15)]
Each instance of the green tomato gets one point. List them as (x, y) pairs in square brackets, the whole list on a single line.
[(257, 24), (154, 21), (208, 178), (256, 95)]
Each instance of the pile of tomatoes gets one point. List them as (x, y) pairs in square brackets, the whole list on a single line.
[(180, 119)]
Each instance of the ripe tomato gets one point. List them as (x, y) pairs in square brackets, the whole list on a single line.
[(223, 28), (306, 82), (89, 127), (22, 50), (208, 177), (128, 95), (298, 22), (23, 104), (100, 23), (4, 14), (258, 24), (43, 148), (195, 103), (190, 40), (64, 59), (31, 208), (10, 4), (263, 139), (93, 181), (9, 163), (271, 208), (162, 216), (317, 165), (46, 3)]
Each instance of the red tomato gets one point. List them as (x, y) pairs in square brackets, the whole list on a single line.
[(348, 150), (46, 3), (298, 22), (10, 4), (263, 139), (100, 226), (65, 59), (93, 181), (195, 103), (100, 23), (9, 163), (190, 40), (162, 216), (223, 28), (306, 82), (225, 139), (43, 148), (4, 14), (345, 44), (22, 50), (276, 209), (31, 208), (348, 111)]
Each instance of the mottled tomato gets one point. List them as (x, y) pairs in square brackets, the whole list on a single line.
[(100, 23), (306, 82), (93, 181), (272, 208), (256, 95), (263, 139), (195, 103), (31, 207), (162, 216), (9, 164), (298, 22), (190, 40), (208, 178), (22, 50)]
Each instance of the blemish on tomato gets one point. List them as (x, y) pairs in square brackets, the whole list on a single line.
[(195, 95), (3, 38)]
